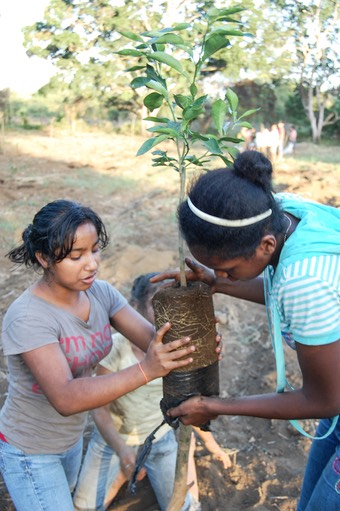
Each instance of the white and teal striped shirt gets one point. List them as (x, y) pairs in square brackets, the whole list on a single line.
[(307, 294), (306, 283)]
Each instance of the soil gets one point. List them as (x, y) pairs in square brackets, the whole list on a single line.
[(137, 203)]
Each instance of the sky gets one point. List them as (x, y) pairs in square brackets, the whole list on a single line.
[(23, 75)]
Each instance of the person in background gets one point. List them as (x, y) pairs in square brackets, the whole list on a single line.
[(274, 139), (282, 138), (53, 336), (282, 251), (122, 427), (291, 142)]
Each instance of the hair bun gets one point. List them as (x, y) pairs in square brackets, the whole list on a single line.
[(255, 167), (27, 233)]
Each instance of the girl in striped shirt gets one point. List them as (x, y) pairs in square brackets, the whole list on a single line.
[(282, 251)]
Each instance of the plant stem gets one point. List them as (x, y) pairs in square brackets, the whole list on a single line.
[(181, 475), (182, 174)]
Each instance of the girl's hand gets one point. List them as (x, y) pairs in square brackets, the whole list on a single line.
[(193, 411), (197, 272), (219, 346), (223, 457), (127, 458), (162, 358)]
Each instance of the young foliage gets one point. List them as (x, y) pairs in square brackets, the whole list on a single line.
[(168, 58)]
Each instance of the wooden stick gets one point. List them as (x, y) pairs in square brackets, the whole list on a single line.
[(181, 487)]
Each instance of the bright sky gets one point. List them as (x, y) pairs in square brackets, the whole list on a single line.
[(18, 72)]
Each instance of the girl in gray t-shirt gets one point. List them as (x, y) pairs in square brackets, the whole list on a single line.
[(54, 335)]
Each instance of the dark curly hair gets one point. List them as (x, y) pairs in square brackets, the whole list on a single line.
[(238, 192), (52, 233)]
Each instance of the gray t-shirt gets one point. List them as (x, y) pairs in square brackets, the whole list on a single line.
[(27, 419)]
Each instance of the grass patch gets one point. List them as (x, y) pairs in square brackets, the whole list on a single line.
[(87, 179), (313, 153)]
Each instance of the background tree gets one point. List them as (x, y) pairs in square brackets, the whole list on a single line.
[(312, 34), (293, 51), (79, 37)]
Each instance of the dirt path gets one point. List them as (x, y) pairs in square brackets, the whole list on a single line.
[(137, 203)]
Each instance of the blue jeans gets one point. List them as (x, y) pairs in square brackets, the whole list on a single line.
[(40, 482), (101, 466), (321, 484)]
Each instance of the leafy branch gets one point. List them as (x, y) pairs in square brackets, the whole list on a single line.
[(165, 59)]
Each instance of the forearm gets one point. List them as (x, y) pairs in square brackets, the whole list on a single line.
[(286, 405), (251, 290), (69, 395), (106, 428), (134, 327), (82, 394)]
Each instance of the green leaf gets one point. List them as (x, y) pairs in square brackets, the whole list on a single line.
[(244, 124), (153, 101), (150, 143), (134, 68), (213, 44), (166, 131), (181, 26), (140, 81), (228, 19), (216, 13), (155, 33), (152, 74), (130, 52), (231, 139), (183, 101), (249, 112), (232, 99), (233, 152), (189, 114), (219, 112), (193, 90), (171, 39), (194, 135), (152, 84), (159, 152), (221, 31), (169, 60), (158, 47), (228, 162), (213, 146), (200, 101), (156, 119), (233, 10), (131, 35)]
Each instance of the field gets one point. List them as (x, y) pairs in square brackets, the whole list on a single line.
[(137, 203)]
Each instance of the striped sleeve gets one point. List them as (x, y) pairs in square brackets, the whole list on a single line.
[(308, 295)]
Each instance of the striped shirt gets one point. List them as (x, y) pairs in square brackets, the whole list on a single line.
[(306, 282), (308, 298)]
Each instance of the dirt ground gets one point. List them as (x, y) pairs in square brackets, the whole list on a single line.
[(137, 203)]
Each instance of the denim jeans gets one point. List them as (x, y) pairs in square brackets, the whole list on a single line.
[(321, 484), (101, 466), (40, 482)]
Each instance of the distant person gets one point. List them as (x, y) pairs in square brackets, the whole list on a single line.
[(122, 426), (263, 141), (248, 135), (291, 143), (53, 336), (282, 138), (274, 143)]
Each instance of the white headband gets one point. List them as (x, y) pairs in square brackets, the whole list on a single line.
[(228, 223)]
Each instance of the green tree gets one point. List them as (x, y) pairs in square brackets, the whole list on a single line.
[(312, 35), (79, 37)]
